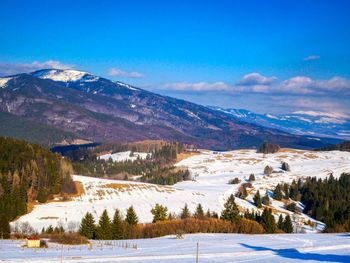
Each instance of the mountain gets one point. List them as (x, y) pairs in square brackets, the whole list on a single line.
[(322, 124), (97, 109)]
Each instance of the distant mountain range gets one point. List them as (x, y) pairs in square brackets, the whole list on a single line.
[(50, 105), (322, 124)]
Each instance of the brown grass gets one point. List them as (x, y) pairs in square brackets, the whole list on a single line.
[(130, 187), (69, 239), (185, 155), (289, 150)]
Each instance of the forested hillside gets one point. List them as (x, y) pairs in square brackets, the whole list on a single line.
[(157, 168), (29, 172)]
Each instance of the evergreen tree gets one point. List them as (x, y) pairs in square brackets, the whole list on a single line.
[(42, 197), (87, 226), (104, 228), (266, 199), (199, 213), (268, 170), (117, 226), (285, 167), (257, 200), (5, 230), (268, 221), (49, 230), (285, 191), (185, 212), (230, 212), (251, 177), (131, 217), (159, 213), (277, 193), (280, 222), (287, 225)]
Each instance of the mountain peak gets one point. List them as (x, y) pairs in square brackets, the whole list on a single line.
[(65, 75)]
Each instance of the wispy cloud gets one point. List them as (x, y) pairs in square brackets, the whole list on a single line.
[(312, 57), (197, 86), (16, 68), (116, 72)]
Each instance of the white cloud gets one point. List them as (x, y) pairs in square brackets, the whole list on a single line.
[(198, 86), (116, 72), (254, 78), (7, 69), (322, 114), (298, 84), (312, 57)]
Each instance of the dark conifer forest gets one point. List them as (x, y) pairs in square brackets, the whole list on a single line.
[(29, 172)]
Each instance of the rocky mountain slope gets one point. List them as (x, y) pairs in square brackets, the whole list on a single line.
[(99, 109)]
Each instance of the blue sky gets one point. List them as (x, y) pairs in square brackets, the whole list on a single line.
[(243, 54)]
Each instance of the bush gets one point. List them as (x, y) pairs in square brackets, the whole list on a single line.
[(291, 207), (268, 170), (269, 148), (69, 239), (234, 181), (251, 178), (285, 167)]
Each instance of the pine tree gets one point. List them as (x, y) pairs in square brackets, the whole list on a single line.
[(49, 229), (251, 177), (5, 230), (277, 193), (159, 213), (268, 221), (268, 170), (287, 225), (87, 226), (266, 199), (104, 228), (285, 167), (131, 217), (257, 199), (199, 214), (280, 222), (42, 197), (230, 212), (185, 212), (117, 226)]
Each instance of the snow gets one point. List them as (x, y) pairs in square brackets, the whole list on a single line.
[(3, 82), (211, 172), (272, 116), (125, 85), (211, 248), (123, 156), (66, 75)]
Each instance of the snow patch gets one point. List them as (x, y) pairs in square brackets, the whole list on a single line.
[(124, 156), (3, 82)]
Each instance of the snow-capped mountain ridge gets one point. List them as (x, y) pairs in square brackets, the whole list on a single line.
[(316, 123), (65, 75)]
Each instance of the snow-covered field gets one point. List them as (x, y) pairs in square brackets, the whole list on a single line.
[(124, 156), (210, 170), (212, 248)]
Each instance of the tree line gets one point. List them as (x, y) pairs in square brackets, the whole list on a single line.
[(164, 223)]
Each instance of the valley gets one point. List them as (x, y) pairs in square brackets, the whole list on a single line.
[(210, 173)]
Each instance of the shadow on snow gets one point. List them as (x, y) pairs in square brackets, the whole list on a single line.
[(293, 253)]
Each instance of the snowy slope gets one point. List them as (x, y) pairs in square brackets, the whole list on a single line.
[(65, 75), (124, 156), (210, 171), (3, 82), (212, 248)]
